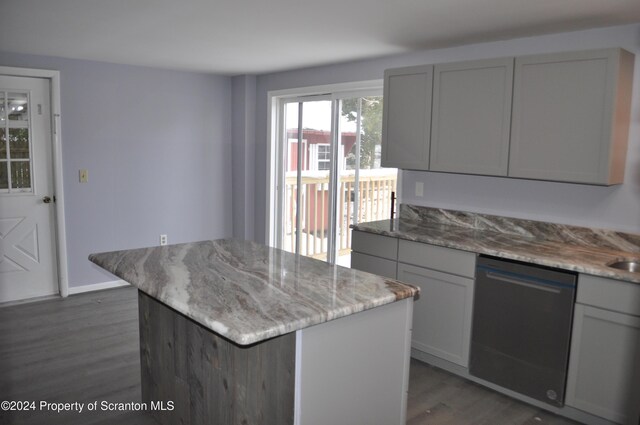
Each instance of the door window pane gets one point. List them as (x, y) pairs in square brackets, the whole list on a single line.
[(311, 161), (15, 144), (3, 144), (364, 187), (20, 175), (3, 108), (316, 130), (4, 178), (290, 160), (17, 107), (19, 143)]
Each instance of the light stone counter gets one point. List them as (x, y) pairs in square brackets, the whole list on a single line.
[(565, 247), (248, 292)]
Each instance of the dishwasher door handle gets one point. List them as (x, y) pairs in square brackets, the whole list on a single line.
[(507, 279)]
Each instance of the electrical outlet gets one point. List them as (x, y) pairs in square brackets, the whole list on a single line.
[(419, 189), (84, 176), (163, 239)]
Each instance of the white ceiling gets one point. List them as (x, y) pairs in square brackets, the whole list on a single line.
[(259, 36)]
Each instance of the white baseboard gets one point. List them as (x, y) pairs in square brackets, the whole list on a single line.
[(96, 287)]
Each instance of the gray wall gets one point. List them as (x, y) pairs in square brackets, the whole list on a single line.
[(615, 207), (157, 146), (244, 136)]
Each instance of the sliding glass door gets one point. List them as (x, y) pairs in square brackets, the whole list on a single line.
[(307, 163), (329, 173)]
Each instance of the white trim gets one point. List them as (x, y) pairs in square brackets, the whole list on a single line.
[(398, 192), (339, 90), (61, 234), (297, 379), (326, 89), (271, 178), (97, 287)]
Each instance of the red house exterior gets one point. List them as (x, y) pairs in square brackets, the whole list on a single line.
[(314, 137), (317, 218)]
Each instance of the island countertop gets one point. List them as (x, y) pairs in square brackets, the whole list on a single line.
[(248, 292)]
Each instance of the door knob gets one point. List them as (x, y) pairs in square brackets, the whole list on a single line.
[(46, 199)]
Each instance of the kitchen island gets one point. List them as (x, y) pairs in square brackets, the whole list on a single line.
[(234, 332)]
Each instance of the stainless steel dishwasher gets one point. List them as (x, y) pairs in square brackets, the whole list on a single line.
[(522, 316)]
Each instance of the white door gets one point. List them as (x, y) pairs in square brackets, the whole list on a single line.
[(27, 245)]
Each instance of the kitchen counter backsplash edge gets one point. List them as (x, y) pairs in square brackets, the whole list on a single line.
[(548, 244), (552, 232)]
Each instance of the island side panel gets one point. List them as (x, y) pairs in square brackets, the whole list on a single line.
[(210, 379), (355, 370)]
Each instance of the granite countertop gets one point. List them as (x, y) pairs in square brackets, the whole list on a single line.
[(249, 292), (583, 259)]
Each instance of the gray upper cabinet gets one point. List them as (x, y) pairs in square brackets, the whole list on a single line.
[(559, 117), (571, 116), (407, 117), (471, 117)]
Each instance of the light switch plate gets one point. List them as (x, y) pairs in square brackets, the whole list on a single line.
[(84, 176), (419, 189)]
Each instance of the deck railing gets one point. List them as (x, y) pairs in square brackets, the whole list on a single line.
[(372, 202)]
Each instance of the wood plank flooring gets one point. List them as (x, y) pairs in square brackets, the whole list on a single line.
[(437, 397), (85, 348)]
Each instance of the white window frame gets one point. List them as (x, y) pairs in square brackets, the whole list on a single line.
[(275, 122), (315, 149)]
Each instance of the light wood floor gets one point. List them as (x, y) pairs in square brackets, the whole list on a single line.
[(85, 348)]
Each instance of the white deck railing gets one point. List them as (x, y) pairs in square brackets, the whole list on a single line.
[(372, 202)]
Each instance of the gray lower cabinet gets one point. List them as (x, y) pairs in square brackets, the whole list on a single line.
[(375, 265), (375, 245), (442, 313), (571, 116), (375, 254), (406, 125), (604, 364), (471, 117)]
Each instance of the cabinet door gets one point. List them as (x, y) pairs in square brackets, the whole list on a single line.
[(375, 265), (571, 116), (442, 314), (406, 126), (471, 117), (604, 366), (438, 258), (374, 244)]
